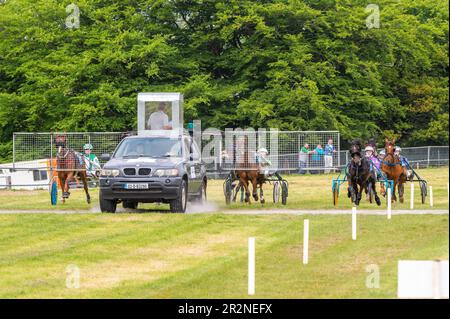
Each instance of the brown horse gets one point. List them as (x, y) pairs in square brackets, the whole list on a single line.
[(68, 167), (392, 167), (247, 170)]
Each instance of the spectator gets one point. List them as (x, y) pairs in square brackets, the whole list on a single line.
[(318, 153), (329, 151), (303, 158)]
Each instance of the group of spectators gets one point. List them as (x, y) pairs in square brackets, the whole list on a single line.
[(316, 158)]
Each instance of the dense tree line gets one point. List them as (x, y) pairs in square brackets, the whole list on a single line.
[(290, 64)]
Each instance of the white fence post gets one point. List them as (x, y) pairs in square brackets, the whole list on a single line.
[(431, 196), (251, 266)]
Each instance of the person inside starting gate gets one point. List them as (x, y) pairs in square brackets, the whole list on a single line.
[(92, 162), (404, 161)]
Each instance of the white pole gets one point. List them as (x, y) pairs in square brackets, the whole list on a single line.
[(431, 196), (354, 223), (389, 203), (412, 196), (305, 241), (251, 266)]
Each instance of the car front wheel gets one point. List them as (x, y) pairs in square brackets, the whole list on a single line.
[(107, 206), (178, 205)]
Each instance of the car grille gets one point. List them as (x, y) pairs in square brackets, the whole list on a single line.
[(129, 171), (144, 171)]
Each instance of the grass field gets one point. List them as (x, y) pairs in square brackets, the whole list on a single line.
[(205, 255), (305, 192)]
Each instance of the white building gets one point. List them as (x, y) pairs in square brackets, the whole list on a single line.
[(28, 175)]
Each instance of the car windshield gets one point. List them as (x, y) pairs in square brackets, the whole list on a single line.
[(149, 147)]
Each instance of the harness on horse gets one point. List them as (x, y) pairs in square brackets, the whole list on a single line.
[(389, 163)]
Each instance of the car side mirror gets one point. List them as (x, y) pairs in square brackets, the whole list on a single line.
[(105, 157)]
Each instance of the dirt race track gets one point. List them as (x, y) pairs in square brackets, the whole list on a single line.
[(242, 212)]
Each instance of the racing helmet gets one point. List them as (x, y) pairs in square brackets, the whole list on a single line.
[(398, 149), (263, 150), (87, 146), (369, 149)]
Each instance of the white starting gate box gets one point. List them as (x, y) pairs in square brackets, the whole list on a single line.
[(160, 111), (423, 279)]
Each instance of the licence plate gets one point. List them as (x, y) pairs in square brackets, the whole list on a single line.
[(135, 186)]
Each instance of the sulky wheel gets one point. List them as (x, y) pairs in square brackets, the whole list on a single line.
[(54, 192), (335, 195), (276, 192), (423, 191), (370, 193), (284, 192), (228, 191)]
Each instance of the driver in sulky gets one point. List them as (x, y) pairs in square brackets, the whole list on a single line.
[(262, 160)]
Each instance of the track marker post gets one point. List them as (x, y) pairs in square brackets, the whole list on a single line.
[(354, 223), (389, 203), (305, 241), (431, 196), (411, 206), (251, 265)]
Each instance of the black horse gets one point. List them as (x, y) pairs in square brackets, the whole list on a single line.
[(359, 173)]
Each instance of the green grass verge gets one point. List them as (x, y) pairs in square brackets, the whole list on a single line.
[(205, 255)]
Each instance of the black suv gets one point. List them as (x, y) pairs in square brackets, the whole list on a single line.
[(157, 167)]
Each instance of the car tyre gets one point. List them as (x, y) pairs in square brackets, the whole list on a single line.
[(202, 197), (178, 205), (106, 205)]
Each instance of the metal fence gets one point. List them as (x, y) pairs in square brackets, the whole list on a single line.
[(288, 152), (418, 157), (29, 148)]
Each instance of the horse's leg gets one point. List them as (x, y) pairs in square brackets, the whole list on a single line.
[(374, 188), (244, 183), (349, 193), (359, 193), (261, 193), (85, 185), (355, 193), (382, 189), (69, 177), (62, 183), (394, 197), (247, 192), (255, 188)]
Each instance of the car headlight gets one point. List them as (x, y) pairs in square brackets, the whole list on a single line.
[(166, 172), (109, 172)]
